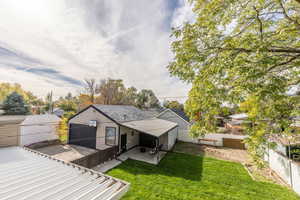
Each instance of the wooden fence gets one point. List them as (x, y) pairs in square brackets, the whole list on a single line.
[(97, 158)]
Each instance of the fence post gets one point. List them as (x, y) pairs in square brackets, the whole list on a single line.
[(290, 163)]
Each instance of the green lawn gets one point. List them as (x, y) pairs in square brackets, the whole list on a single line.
[(183, 176)]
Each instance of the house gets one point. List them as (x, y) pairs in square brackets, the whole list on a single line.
[(235, 123), (21, 130), (27, 174), (116, 129), (183, 121), (58, 112)]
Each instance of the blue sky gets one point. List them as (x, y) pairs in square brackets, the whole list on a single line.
[(55, 44)]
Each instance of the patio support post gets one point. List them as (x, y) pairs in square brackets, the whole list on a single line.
[(157, 145)]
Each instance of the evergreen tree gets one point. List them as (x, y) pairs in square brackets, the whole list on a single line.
[(14, 104)]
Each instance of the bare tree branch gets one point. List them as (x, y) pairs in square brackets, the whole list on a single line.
[(285, 63), (260, 23)]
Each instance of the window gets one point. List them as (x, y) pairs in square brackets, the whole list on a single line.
[(110, 136)]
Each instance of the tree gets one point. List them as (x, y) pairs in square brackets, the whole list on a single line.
[(84, 101), (245, 53), (62, 130), (173, 104), (130, 96), (49, 103), (147, 99), (14, 104), (31, 100), (91, 88)]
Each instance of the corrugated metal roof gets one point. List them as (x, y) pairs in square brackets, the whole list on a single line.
[(122, 113), (25, 174), (155, 127), (40, 119)]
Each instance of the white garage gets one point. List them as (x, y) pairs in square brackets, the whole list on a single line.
[(38, 128), (23, 130)]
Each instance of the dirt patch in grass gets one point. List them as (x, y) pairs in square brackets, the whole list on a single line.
[(222, 153)]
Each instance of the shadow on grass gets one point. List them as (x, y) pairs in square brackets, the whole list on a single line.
[(172, 165)]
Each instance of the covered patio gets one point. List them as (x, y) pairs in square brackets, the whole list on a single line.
[(155, 138), (137, 154)]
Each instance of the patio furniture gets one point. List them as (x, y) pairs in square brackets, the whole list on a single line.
[(143, 149), (156, 149)]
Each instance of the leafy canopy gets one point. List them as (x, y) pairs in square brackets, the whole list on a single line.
[(245, 53)]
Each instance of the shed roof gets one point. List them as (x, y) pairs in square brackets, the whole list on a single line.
[(40, 119), (155, 127), (25, 174), (12, 119), (121, 113)]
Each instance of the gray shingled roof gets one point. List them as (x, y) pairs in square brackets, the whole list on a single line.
[(181, 114), (122, 113), (25, 174)]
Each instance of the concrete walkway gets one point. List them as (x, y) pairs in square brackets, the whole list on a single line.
[(104, 167), (66, 152)]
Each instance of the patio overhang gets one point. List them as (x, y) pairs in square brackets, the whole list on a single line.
[(154, 127)]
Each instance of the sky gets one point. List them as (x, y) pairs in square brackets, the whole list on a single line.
[(53, 45)]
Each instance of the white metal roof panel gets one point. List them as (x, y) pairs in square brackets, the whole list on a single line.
[(155, 127), (26, 174)]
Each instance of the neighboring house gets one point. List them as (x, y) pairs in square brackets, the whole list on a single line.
[(58, 112), (235, 123), (296, 123), (115, 129), (21, 130), (26, 174), (215, 139), (179, 117)]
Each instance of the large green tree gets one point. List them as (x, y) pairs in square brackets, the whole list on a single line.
[(173, 104), (146, 99), (245, 53), (14, 104)]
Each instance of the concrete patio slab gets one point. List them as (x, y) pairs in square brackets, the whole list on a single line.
[(107, 165), (136, 154)]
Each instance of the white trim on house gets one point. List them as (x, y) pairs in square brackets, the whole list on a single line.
[(168, 109)]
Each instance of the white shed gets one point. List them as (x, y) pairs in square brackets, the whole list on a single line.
[(38, 128)]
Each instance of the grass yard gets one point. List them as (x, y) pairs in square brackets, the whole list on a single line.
[(189, 177)]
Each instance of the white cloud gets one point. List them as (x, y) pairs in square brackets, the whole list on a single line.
[(183, 13), (126, 39)]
